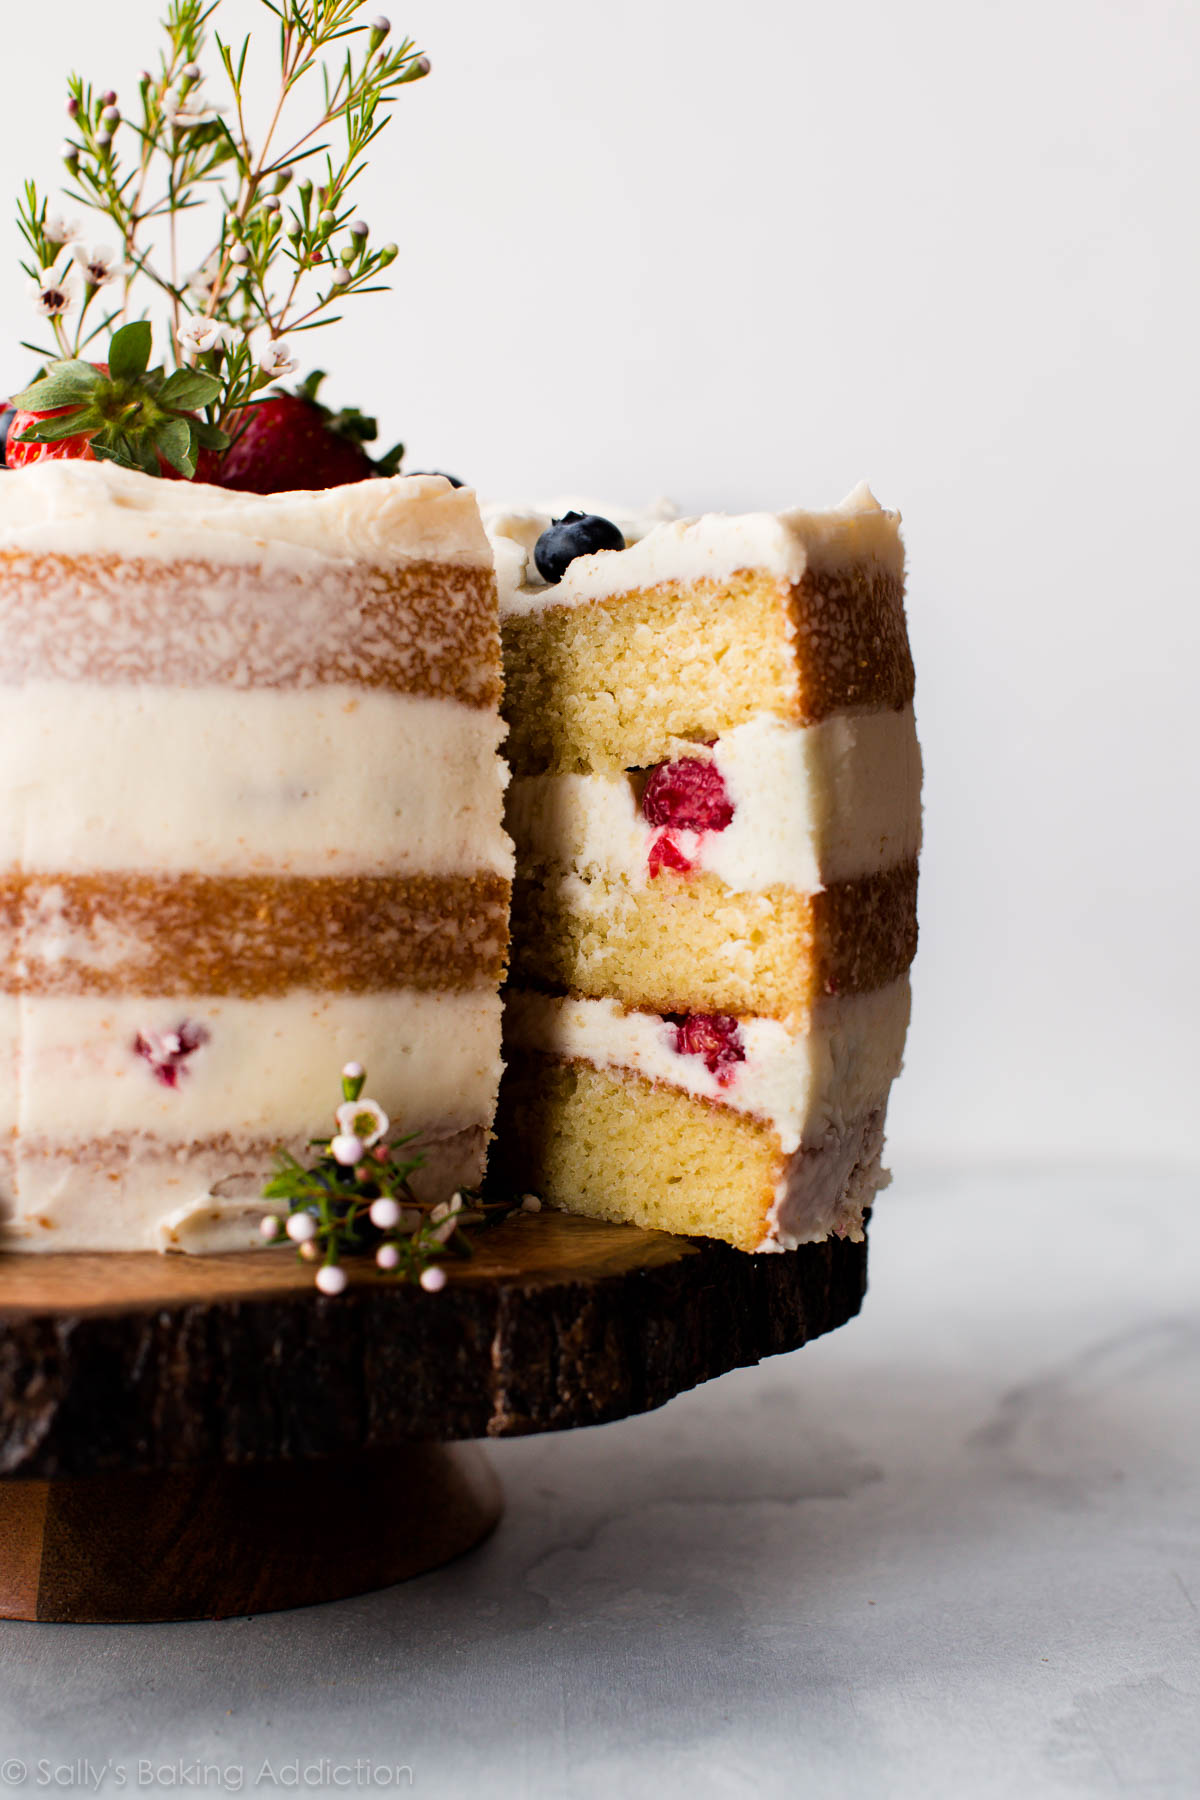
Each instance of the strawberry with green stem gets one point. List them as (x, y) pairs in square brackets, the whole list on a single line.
[(119, 411), (289, 441)]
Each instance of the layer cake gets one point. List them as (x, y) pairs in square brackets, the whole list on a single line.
[(716, 809), (250, 828)]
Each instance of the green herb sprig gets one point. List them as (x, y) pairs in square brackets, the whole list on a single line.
[(286, 252), (355, 1200)]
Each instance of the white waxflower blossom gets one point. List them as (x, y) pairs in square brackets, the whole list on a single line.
[(205, 282), (346, 1149), (276, 359), (387, 1256), (58, 230), (186, 110), (331, 1279), (54, 290), (385, 1213), (433, 1280), (363, 1119), (301, 1227), (99, 264), (199, 336)]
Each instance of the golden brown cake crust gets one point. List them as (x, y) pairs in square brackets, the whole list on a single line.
[(855, 655), (250, 935), (427, 628)]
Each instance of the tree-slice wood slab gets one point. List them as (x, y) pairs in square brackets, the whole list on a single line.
[(143, 1362)]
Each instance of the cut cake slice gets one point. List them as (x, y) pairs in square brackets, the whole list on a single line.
[(716, 809)]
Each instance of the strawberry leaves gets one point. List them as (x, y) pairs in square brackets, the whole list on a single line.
[(129, 351), (128, 413)]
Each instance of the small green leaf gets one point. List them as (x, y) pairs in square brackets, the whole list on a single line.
[(174, 439), (187, 388), (129, 351), (144, 455), (210, 437), (53, 431), (117, 452), (66, 381), (390, 464)]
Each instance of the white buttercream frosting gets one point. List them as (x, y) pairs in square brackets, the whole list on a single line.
[(811, 805), (79, 508), (806, 1083), (319, 781), (73, 1082), (711, 547)]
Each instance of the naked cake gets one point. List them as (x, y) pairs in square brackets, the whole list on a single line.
[(250, 827), (716, 810)]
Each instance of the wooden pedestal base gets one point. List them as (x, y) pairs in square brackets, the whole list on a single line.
[(217, 1542), (193, 1437)]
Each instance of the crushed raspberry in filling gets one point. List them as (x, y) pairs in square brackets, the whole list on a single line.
[(666, 854), (715, 1037), (167, 1051), (689, 794)]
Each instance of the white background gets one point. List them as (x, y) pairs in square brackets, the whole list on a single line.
[(746, 256)]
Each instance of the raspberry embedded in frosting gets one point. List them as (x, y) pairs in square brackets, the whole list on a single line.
[(167, 1051), (716, 1038), (688, 794)]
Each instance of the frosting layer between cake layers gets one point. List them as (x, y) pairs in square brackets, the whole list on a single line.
[(769, 653), (250, 830)]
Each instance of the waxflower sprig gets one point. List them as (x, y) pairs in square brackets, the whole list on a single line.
[(356, 1200), (286, 249)]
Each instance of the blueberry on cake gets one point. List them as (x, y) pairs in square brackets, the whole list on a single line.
[(716, 810), (250, 829)]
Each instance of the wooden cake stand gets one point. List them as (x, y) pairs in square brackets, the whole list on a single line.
[(198, 1437)]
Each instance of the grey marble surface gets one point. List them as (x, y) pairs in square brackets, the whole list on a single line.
[(952, 1550)]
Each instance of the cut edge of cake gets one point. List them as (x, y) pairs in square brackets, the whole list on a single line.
[(651, 965)]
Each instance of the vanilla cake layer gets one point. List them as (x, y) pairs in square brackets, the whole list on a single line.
[(775, 1149), (687, 943), (602, 1113), (92, 1102), (610, 1145), (641, 654), (249, 935), (250, 829), (305, 782)]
